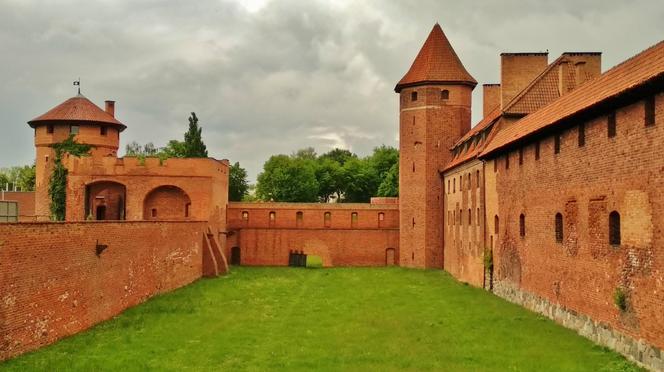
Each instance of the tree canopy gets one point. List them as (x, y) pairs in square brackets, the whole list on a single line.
[(23, 177), (238, 186), (193, 141), (338, 174)]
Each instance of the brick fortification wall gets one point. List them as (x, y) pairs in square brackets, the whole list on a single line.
[(26, 203), (580, 274), (341, 234), (54, 285)]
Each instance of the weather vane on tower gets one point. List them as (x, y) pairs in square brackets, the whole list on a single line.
[(78, 84)]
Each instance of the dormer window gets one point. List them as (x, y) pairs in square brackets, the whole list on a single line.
[(445, 94), (413, 96)]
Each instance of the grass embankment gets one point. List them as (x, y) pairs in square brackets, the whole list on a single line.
[(329, 319)]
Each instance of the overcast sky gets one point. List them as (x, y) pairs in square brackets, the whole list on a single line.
[(268, 77)]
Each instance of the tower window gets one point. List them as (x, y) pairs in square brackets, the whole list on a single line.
[(103, 131), (454, 185), (445, 94), (650, 111), (448, 186), (477, 178), (73, 129), (413, 221), (460, 217), (521, 156), (413, 96), (495, 165), (611, 125), (522, 225), (614, 228), (556, 144), (454, 217), (496, 224), (470, 217), (537, 150), (413, 167), (507, 161), (477, 215), (582, 135), (559, 228), (49, 129)]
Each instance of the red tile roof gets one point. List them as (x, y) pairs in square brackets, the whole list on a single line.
[(630, 74), (477, 147), (78, 109), (436, 62)]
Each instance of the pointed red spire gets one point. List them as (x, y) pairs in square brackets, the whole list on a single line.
[(436, 63)]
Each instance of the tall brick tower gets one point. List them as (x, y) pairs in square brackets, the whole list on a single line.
[(434, 109), (87, 122)]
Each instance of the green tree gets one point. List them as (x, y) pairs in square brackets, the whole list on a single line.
[(390, 183), (174, 149), (329, 175), (57, 187), (193, 141), (22, 177), (287, 179), (339, 155), (361, 181), (383, 158), (238, 186)]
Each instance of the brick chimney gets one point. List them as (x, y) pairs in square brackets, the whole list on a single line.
[(491, 98), (517, 70), (110, 108)]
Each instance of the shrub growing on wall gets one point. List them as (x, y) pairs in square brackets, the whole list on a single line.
[(620, 299), (57, 186)]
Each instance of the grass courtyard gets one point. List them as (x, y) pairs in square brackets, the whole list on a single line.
[(377, 319)]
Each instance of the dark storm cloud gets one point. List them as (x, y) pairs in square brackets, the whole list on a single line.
[(269, 77)]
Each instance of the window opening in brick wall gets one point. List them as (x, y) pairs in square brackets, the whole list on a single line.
[(103, 130), (521, 156), (445, 94), (522, 225), (537, 150), (327, 219), (245, 215), (413, 96), (353, 219), (153, 212), (582, 134), (478, 216), (611, 125), (496, 224), (470, 217), (49, 129), (477, 178), (556, 144), (614, 228), (507, 161), (559, 228), (650, 111)]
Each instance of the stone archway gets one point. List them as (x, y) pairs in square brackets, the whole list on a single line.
[(105, 200), (167, 203)]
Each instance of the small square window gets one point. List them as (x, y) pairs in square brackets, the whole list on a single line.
[(103, 131), (74, 129), (413, 96), (49, 129)]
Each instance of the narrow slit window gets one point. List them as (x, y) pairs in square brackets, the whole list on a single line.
[(582, 135), (556, 144), (327, 219), (299, 216), (522, 225), (49, 129), (521, 156), (153, 213), (496, 224), (353, 218), (650, 111), (611, 125), (470, 217), (477, 178), (537, 150), (413, 96), (445, 94), (477, 216), (507, 161), (103, 130), (559, 228), (614, 228)]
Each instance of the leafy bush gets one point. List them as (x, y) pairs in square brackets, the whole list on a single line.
[(620, 299)]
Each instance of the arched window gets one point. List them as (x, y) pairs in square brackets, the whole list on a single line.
[(496, 224), (413, 96), (245, 215), (273, 217), (353, 219), (327, 219), (559, 228), (445, 94), (381, 216), (614, 228), (522, 225), (299, 217)]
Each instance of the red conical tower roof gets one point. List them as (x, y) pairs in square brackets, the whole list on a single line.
[(436, 63), (78, 109)]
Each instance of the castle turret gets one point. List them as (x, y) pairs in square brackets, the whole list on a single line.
[(87, 122), (435, 107)]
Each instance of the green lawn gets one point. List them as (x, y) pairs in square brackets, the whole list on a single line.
[(326, 319)]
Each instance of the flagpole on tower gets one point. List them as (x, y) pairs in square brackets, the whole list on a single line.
[(78, 84)]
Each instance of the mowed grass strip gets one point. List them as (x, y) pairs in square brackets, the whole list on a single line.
[(369, 319)]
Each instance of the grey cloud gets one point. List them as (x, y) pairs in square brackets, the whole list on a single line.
[(292, 74)]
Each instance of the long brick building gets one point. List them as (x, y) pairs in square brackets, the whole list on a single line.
[(552, 200)]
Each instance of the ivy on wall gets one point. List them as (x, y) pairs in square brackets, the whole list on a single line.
[(57, 187)]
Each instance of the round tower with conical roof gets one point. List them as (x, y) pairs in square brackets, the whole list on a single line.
[(87, 122), (435, 111)]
